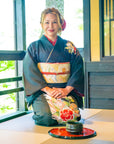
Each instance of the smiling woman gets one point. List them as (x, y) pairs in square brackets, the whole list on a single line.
[(51, 22), (50, 26), (13, 22), (53, 66)]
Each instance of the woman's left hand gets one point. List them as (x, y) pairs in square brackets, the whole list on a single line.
[(62, 92)]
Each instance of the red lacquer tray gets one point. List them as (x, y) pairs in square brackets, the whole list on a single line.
[(62, 133)]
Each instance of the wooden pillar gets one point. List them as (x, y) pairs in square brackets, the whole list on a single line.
[(20, 45)]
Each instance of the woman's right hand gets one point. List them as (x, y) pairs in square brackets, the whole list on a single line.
[(51, 92), (47, 90)]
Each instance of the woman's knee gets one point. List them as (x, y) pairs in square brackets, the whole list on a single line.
[(45, 120)]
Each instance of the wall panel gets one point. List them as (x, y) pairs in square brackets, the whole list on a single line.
[(99, 85)]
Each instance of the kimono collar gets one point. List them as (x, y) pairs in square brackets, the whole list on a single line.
[(52, 42)]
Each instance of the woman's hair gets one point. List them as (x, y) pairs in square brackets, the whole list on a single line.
[(60, 19)]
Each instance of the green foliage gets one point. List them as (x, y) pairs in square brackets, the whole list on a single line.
[(4, 85), (79, 13), (80, 27), (79, 16), (6, 65), (12, 96), (4, 108), (59, 4)]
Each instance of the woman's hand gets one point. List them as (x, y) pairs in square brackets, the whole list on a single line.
[(62, 92), (57, 92), (51, 91), (47, 90)]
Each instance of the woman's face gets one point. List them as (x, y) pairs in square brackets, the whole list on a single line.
[(50, 26)]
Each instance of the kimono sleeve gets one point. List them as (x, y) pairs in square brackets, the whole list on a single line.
[(76, 79), (32, 78)]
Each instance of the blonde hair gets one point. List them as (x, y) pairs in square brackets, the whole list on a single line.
[(55, 12)]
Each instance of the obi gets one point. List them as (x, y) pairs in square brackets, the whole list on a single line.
[(55, 72)]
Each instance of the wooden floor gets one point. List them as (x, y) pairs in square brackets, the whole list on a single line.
[(22, 130)]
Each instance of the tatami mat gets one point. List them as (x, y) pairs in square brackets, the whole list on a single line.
[(105, 115), (22, 130)]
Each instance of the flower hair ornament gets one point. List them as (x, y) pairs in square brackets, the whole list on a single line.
[(63, 25)]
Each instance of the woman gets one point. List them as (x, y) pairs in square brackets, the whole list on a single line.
[(52, 66)]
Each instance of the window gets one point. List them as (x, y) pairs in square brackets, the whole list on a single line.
[(6, 25), (12, 40), (33, 12), (7, 101), (73, 14), (108, 28)]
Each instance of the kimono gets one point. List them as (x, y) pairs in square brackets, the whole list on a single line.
[(54, 66)]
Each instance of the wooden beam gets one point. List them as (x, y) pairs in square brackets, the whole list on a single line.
[(12, 55), (4, 92), (86, 15)]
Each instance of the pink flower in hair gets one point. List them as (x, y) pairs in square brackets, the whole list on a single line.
[(64, 25)]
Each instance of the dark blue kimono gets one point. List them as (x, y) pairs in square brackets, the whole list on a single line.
[(42, 51)]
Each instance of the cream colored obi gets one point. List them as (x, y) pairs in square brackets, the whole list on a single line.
[(55, 72)]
